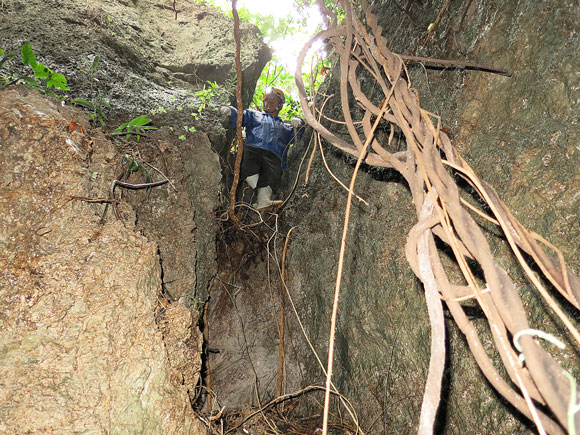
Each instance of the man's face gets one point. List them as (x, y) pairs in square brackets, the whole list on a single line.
[(272, 104)]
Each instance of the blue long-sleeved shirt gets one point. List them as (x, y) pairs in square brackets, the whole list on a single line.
[(266, 132)]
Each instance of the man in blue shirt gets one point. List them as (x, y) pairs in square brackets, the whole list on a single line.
[(268, 139)]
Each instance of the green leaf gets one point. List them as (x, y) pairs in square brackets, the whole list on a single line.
[(102, 100), (140, 120), (58, 81), (101, 115), (51, 93), (41, 71), (95, 63), (84, 103), (6, 57), (121, 128), (30, 82), (133, 166), (134, 127), (148, 177), (28, 57)]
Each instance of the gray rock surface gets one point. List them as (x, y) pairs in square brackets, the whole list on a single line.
[(519, 133), (97, 319), (138, 284)]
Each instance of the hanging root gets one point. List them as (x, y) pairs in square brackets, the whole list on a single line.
[(428, 165)]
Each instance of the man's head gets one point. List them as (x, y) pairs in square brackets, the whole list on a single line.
[(273, 101)]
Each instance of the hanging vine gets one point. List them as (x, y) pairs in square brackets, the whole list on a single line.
[(240, 139), (430, 165)]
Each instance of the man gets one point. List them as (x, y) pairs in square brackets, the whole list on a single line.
[(268, 139)]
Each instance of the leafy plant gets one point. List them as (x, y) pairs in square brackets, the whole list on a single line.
[(207, 3), (97, 103), (211, 94), (188, 129), (206, 95), (334, 7), (276, 74), (44, 78), (96, 107), (135, 127), (5, 57), (133, 166)]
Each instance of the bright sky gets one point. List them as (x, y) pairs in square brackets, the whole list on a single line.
[(286, 50)]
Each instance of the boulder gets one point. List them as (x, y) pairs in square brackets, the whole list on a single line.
[(150, 54)]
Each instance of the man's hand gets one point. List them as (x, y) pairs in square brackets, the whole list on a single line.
[(296, 122), (225, 111)]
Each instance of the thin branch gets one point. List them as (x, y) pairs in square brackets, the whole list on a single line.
[(162, 174), (430, 61)]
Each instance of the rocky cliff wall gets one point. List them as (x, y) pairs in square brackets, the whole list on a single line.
[(100, 313), (150, 53), (86, 344), (519, 133), (86, 301)]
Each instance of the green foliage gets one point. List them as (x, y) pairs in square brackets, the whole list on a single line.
[(44, 78), (212, 94), (91, 71), (205, 2), (207, 95), (334, 7), (96, 107), (133, 166), (197, 304), (5, 57), (135, 127), (275, 73), (97, 103), (272, 28), (188, 129)]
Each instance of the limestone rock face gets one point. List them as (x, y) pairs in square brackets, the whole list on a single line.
[(519, 133), (81, 349)]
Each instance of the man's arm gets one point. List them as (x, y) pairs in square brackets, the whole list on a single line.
[(247, 117)]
